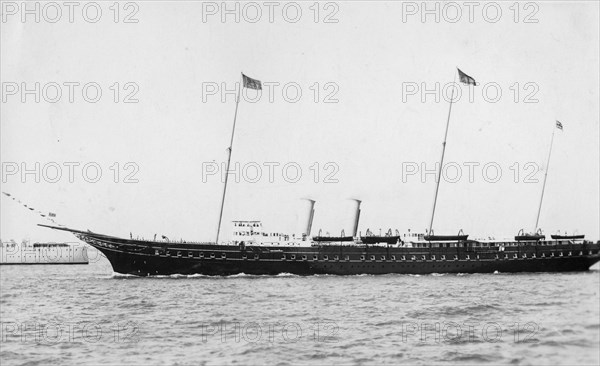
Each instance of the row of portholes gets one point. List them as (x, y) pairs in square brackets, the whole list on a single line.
[(362, 257)]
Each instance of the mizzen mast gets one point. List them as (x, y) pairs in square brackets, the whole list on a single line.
[(537, 220)]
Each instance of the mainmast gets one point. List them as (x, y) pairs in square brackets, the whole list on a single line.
[(466, 79), (247, 83), (537, 220)]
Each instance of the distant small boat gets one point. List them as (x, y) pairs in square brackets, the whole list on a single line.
[(446, 237), (380, 239), (567, 237), (42, 253)]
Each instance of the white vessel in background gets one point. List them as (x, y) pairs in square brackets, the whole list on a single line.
[(12, 252)]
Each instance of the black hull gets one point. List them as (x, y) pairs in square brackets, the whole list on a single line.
[(147, 265), (148, 258)]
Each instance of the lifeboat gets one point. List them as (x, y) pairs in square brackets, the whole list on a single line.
[(459, 237), (523, 236), (380, 239), (567, 237), (333, 238), (445, 237)]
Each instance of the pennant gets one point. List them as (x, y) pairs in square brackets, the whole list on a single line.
[(559, 125)]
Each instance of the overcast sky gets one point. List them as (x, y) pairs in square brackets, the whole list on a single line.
[(371, 60)]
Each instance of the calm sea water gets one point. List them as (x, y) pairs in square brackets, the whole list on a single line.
[(74, 315)]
